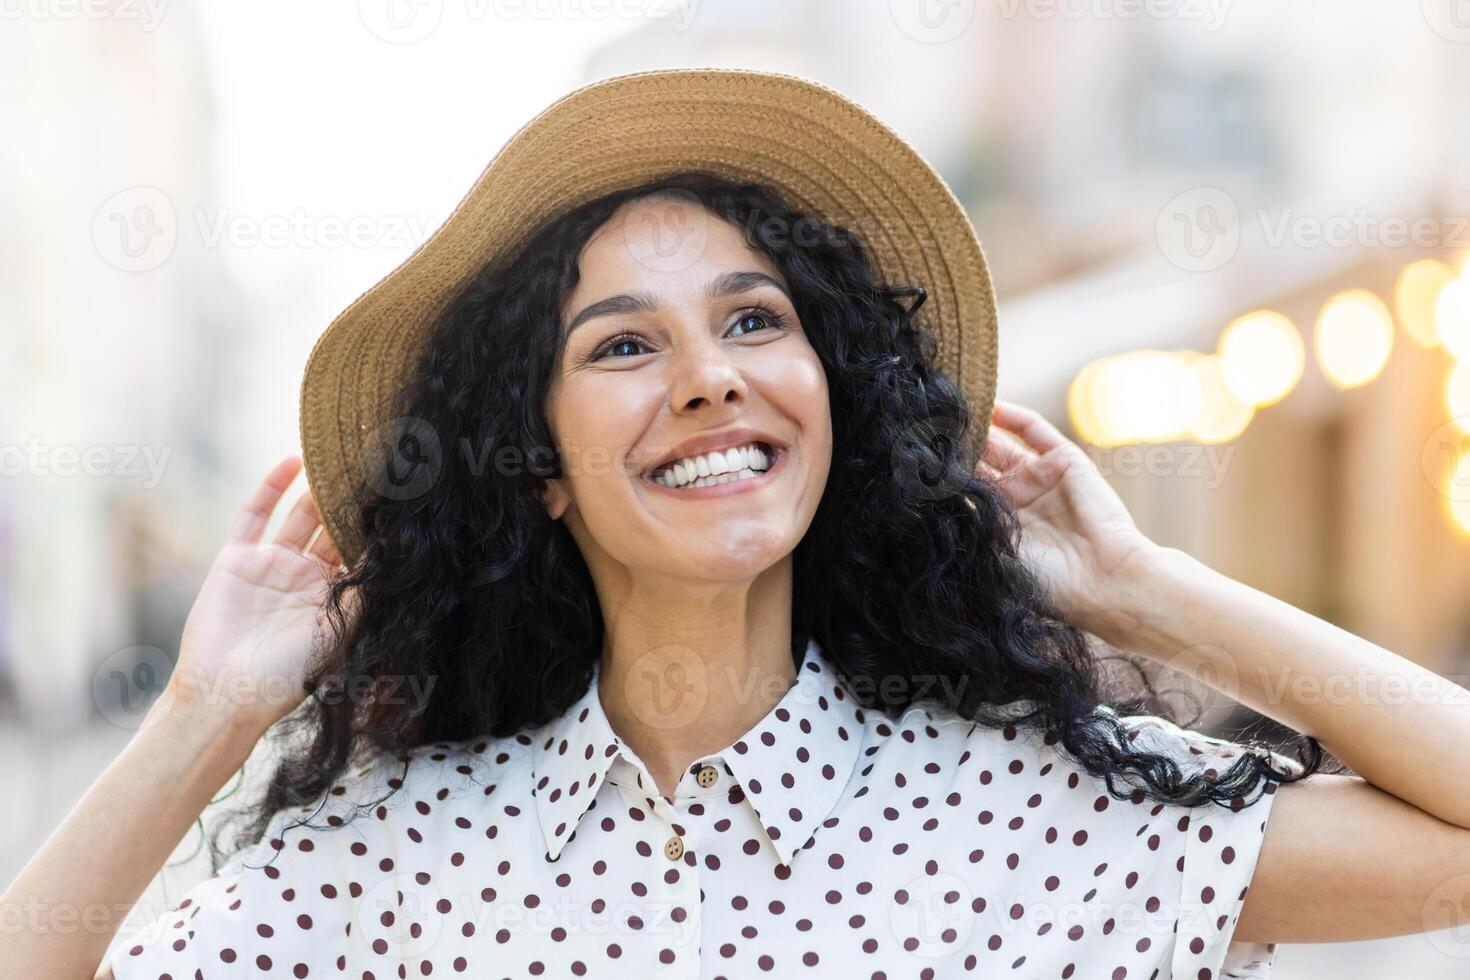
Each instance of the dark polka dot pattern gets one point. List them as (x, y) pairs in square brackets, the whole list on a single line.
[(829, 841)]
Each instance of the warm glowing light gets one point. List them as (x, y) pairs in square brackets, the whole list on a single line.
[(1146, 396), (1457, 394), (1452, 317), (1458, 500), (1418, 290), (1354, 338), (1082, 404), (1261, 357), (1222, 416)]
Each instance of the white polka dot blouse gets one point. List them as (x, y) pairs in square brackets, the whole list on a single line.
[(829, 841)]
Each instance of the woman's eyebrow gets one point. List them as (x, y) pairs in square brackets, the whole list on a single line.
[(729, 284)]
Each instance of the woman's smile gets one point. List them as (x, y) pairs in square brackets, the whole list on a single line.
[(745, 478)]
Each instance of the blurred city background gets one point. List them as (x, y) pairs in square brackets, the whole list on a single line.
[(1229, 241)]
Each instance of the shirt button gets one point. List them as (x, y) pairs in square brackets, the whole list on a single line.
[(707, 776), (674, 849)]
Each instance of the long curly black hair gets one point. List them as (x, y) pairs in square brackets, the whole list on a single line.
[(910, 568)]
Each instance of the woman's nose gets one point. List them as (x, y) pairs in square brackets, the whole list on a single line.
[(704, 377)]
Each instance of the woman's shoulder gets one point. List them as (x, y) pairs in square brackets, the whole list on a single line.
[(1006, 746)]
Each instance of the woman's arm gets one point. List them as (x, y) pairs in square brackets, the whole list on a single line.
[(69, 900), (1344, 858), (242, 664), (1401, 727)]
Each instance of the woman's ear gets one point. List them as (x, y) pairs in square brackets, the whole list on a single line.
[(555, 499)]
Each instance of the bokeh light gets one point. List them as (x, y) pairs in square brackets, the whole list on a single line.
[(1457, 500), (1222, 416), (1262, 357), (1354, 338), (1452, 317), (1417, 292), (1457, 394)]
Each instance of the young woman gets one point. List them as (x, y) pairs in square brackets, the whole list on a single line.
[(686, 633)]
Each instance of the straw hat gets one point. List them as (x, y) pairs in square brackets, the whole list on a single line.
[(826, 155)]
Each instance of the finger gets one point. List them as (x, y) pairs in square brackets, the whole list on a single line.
[(256, 513), (1029, 424), (296, 530), (324, 548), (1004, 450)]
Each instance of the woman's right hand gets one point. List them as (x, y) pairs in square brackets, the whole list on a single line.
[(254, 626)]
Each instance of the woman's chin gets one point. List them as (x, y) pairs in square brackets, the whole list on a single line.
[(724, 563)]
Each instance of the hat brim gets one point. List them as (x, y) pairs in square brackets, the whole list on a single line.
[(826, 154)]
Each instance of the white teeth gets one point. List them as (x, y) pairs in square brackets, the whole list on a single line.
[(714, 468)]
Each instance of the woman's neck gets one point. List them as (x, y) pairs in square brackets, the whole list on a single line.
[(687, 670)]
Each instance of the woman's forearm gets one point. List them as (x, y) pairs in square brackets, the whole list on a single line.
[(1401, 727), (58, 917)]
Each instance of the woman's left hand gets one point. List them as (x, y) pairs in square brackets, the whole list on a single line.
[(1075, 532)]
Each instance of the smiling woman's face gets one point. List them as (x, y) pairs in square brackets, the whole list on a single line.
[(681, 339)]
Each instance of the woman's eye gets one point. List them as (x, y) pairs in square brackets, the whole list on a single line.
[(615, 345), (758, 318)]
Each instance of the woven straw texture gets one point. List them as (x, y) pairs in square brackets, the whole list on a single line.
[(826, 154)]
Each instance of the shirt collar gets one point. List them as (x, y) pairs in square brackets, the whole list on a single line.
[(791, 767)]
